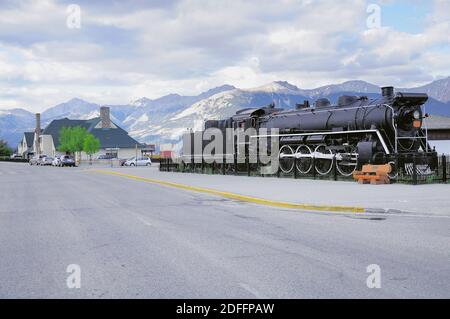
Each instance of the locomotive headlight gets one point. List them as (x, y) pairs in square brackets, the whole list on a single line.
[(416, 114)]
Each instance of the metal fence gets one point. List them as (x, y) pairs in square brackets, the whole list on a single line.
[(9, 159), (412, 173)]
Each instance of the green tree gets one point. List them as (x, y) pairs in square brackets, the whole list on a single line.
[(71, 139), (91, 145), (65, 140), (5, 150)]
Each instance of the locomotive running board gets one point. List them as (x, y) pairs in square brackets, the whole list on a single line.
[(377, 132), (317, 155)]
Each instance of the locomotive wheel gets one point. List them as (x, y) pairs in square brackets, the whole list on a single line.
[(323, 165), (286, 156), (347, 167), (304, 164)]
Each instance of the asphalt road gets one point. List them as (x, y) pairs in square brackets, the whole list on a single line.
[(138, 240)]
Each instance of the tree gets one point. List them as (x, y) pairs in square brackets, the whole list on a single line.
[(5, 150), (91, 145), (65, 140), (71, 139)]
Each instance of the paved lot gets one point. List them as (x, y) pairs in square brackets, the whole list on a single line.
[(134, 239)]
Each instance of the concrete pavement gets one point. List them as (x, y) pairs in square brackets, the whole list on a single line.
[(429, 199), (134, 239)]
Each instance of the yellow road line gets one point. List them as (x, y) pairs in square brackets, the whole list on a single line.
[(327, 208)]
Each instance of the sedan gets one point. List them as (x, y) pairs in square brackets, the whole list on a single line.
[(36, 160), (67, 160), (140, 161), (33, 160), (46, 161)]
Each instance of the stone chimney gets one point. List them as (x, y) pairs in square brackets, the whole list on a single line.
[(104, 117), (37, 130), (38, 123)]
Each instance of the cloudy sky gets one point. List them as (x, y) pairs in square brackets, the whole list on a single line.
[(124, 50)]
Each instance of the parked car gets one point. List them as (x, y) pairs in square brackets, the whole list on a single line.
[(56, 161), (140, 161), (41, 159), (33, 160), (15, 156), (67, 160), (105, 157), (36, 159), (46, 161)]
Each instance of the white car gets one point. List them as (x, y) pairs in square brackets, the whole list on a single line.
[(56, 161), (140, 161)]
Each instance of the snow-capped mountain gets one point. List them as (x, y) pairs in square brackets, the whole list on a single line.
[(349, 86), (217, 106), (74, 109), (283, 94), (439, 90), (149, 116), (166, 118), (13, 123)]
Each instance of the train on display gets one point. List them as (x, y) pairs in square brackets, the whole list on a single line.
[(357, 130)]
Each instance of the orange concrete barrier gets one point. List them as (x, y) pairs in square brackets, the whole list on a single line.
[(373, 174)]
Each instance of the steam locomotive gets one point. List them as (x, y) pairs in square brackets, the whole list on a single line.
[(356, 131)]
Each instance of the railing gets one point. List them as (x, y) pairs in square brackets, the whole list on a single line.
[(9, 159), (412, 173)]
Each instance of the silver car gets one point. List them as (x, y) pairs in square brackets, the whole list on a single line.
[(140, 161), (56, 161), (35, 160), (47, 160)]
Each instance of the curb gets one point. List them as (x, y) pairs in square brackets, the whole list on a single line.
[(244, 198)]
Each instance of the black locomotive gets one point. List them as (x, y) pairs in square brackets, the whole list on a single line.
[(354, 132)]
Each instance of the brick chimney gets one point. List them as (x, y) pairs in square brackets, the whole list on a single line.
[(104, 117)]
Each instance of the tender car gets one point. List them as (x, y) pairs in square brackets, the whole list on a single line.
[(56, 161), (67, 160), (140, 161), (46, 161)]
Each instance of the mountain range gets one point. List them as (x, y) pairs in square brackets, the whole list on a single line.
[(165, 119)]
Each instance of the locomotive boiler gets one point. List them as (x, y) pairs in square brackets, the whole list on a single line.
[(346, 135)]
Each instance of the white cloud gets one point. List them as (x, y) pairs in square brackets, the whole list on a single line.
[(124, 51)]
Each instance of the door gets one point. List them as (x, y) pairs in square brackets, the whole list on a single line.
[(140, 161)]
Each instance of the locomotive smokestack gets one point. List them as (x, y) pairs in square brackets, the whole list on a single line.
[(387, 91)]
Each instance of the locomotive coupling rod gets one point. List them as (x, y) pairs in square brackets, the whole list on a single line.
[(313, 155)]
